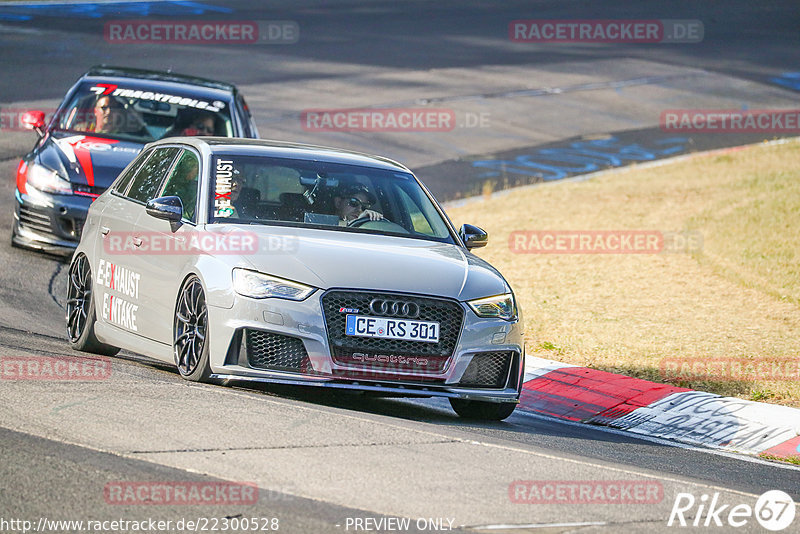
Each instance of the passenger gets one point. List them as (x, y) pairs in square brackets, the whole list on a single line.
[(192, 123), (244, 200), (203, 124), (236, 191)]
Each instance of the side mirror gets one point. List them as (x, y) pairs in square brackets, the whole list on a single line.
[(33, 120), (167, 208), (472, 236)]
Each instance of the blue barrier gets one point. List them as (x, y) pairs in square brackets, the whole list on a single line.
[(580, 157), (91, 10)]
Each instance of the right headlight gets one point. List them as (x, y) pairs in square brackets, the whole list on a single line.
[(260, 286), (47, 180), (498, 307)]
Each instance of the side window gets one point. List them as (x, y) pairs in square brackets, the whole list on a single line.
[(418, 220), (182, 183), (424, 218), (121, 184), (148, 178)]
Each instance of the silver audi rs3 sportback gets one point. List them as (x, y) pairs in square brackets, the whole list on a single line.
[(242, 259)]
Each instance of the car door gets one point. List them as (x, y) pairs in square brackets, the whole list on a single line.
[(168, 250), (119, 267), (105, 211)]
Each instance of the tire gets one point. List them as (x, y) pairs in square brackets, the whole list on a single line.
[(80, 312), (483, 411), (190, 332)]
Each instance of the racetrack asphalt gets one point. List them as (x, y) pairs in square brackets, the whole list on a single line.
[(321, 458)]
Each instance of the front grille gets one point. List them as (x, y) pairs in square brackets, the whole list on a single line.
[(391, 354), (487, 370), (266, 350), (34, 219)]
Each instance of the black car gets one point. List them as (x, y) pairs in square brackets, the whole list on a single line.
[(101, 125)]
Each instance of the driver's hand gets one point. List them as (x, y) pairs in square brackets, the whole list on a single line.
[(373, 215)]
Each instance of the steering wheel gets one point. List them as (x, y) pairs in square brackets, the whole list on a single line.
[(383, 225), (355, 223)]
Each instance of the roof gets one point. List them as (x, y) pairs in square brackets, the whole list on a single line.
[(104, 71), (282, 149)]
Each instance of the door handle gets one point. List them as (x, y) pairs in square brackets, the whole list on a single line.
[(104, 230)]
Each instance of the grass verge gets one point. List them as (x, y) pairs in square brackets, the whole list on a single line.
[(734, 301)]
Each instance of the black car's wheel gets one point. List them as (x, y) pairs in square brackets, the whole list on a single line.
[(485, 411), (190, 345), (80, 311)]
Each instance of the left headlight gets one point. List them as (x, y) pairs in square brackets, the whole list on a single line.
[(260, 286), (498, 307)]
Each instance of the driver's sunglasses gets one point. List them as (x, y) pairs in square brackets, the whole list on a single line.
[(203, 127), (355, 203)]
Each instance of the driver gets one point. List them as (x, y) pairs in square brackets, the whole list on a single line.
[(109, 115), (353, 202)]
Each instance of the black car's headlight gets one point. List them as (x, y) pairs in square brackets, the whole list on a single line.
[(498, 307), (260, 286), (47, 180)]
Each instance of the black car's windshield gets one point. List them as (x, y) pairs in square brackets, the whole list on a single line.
[(142, 115), (247, 189)]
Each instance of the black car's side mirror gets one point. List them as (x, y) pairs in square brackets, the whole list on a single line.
[(33, 120), (472, 236), (168, 208)]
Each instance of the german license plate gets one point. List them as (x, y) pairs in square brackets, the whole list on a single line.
[(390, 328)]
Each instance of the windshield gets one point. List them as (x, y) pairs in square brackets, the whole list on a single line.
[(132, 113), (258, 190)]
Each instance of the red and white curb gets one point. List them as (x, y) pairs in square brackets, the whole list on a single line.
[(585, 395)]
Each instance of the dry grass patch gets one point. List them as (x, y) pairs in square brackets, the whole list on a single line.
[(737, 298)]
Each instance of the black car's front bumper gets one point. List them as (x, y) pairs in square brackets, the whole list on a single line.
[(50, 223)]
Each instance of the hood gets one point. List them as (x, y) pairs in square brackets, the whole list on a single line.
[(86, 160), (328, 259)]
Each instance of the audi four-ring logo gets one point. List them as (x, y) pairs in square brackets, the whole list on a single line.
[(394, 308)]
